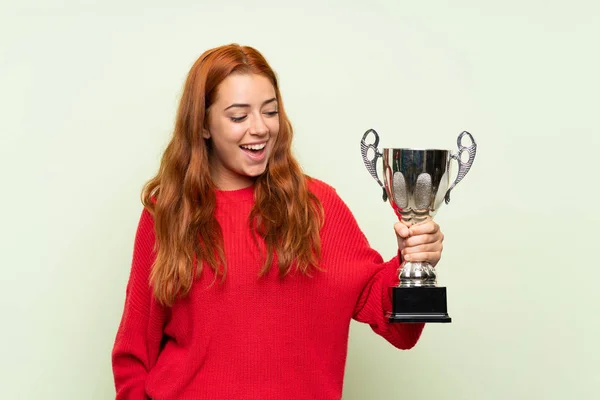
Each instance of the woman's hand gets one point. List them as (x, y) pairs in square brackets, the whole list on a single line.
[(420, 242)]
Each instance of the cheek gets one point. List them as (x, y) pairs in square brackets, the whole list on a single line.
[(227, 132), (235, 131), (273, 127)]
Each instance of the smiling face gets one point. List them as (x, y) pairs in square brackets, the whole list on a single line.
[(243, 124)]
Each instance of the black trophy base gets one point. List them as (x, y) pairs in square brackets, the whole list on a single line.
[(418, 304)]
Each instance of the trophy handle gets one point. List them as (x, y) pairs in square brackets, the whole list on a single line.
[(371, 164), (463, 167)]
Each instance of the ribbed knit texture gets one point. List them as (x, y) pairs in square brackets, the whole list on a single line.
[(255, 338)]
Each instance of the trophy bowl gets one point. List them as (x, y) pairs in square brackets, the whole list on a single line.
[(416, 182)]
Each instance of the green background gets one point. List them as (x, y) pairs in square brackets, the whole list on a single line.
[(88, 98)]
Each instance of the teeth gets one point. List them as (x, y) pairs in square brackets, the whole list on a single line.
[(254, 146)]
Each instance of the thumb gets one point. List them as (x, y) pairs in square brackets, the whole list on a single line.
[(402, 232)]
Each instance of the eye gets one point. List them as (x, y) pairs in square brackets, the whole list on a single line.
[(238, 119), (272, 113)]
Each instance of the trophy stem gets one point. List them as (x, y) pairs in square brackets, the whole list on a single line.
[(417, 274)]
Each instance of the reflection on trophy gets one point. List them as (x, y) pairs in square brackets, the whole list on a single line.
[(416, 182)]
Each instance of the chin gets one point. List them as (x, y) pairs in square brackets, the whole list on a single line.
[(256, 172)]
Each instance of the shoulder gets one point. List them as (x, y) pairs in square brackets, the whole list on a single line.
[(145, 236), (329, 197), (324, 191), (340, 224)]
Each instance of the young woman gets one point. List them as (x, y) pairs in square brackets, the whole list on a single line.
[(246, 273)]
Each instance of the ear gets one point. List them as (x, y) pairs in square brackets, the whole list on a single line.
[(205, 134)]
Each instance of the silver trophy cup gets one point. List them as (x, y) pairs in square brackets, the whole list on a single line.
[(416, 183)]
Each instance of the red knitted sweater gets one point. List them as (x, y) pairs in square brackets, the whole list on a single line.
[(255, 338)]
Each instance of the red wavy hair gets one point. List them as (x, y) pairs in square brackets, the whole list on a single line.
[(286, 216)]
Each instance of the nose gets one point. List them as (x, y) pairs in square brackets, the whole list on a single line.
[(258, 126)]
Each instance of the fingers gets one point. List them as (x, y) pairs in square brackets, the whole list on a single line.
[(402, 229), (431, 253), (422, 242), (405, 229), (424, 239), (436, 247), (431, 258), (406, 223), (429, 227)]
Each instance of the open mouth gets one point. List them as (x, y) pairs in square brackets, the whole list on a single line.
[(254, 149)]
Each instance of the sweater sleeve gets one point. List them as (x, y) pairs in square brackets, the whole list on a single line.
[(375, 301), (138, 337), (353, 249)]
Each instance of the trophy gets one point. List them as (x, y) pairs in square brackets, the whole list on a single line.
[(416, 182)]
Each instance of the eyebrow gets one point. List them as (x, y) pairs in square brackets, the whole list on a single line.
[(248, 105)]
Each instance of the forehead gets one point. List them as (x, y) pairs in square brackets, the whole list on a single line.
[(247, 88)]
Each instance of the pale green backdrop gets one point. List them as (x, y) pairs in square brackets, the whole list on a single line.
[(88, 91)]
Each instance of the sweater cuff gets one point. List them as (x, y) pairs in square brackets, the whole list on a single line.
[(393, 277)]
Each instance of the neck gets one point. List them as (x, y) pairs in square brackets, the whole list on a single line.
[(227, 180)]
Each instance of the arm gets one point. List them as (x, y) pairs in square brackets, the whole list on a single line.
[(421, 242), (136, 347), (374, 276), (375, 300)]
